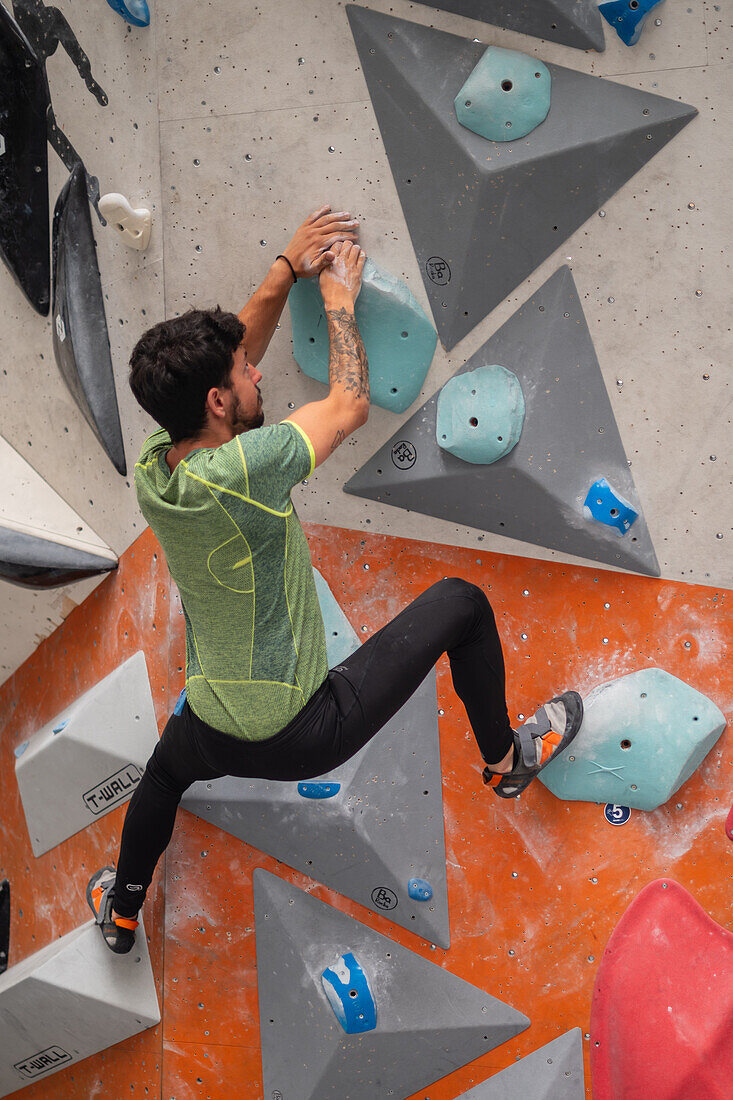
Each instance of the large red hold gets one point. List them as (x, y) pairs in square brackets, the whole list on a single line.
[(662, 1010)]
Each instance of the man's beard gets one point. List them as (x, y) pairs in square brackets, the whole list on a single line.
[(242, 421)]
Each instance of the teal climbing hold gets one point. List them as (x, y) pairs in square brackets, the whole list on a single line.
[(480, 414), (341, 638), (399, 339), (642, 737), (506, 96)]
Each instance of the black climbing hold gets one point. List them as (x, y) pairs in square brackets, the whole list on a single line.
[(24, 100), (80, 337)]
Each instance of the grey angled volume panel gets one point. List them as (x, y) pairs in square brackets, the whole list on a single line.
[(70, 1000), (569, 440), (554, 1072), (571, 22), (483, 215), (428, 1021), (381, 828)]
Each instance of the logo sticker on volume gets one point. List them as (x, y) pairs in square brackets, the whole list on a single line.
[(438, 271), (50, 1058), (384, 898), (404, 455), (113, 790)]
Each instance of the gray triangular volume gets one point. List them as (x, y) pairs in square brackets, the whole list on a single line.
[(569, 441), (33, 561), (571, 22), (70, 1000), (80, 336), (428, 1021), (483, 215), (366, 829), (554, 1072)]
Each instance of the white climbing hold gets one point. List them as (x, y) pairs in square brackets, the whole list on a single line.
[(132, 225)]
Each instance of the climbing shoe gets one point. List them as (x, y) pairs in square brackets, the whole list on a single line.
[(550, 730), (119, 934)]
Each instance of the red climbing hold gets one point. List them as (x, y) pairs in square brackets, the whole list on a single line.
[(662, 1011)]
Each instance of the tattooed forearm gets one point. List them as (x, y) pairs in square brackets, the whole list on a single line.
[(348, 366)]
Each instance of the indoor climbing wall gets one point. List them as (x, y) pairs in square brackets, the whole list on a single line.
[(540, 195)]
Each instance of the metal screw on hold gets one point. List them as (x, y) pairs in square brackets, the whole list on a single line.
[(713, 458), (611, 300), (607, 606), (248, 156), (301, 61), (657, 22), (698, 294), (719, 535), (441, 713), (525, 592), (331, 149), (291, 404), (515, 874), (263, 243), (619, 382), (688, 645), (706, 377), (601, 213), (690, 206), (524, 637), (217, 69)]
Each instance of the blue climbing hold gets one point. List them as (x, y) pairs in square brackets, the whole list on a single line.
[(134, 11), (627, 17), (180, 703), (480, 414), (61, 726), (506, 96), (419, 889), (608, 507), (20, 749), (398, 337), (346, 986), (642, 737), (318, 790)]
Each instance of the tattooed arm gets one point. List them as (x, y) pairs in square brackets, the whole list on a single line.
[(327, 423)]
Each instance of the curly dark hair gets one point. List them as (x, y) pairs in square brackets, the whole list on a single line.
[(175, 364)]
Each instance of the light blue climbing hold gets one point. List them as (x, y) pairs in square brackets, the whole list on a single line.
[(180, 703), (318, 790), (419, 889), (134, 11), (642, 737), (346, 986), (20, 749), (399, 339), (341, 638), (606, 506), (61, 726), (506, 96), (627, 17), (480, 414)]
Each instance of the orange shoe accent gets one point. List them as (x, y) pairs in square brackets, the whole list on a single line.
[(549, 743), (123, 922), (495, 780)]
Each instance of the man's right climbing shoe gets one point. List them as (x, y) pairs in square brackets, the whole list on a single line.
[(548, 732), (119, 934)]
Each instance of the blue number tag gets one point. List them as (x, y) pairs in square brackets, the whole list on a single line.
[(616, 815)]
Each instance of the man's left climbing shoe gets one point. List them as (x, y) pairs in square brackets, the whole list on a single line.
[(119, 934), (548, 732)]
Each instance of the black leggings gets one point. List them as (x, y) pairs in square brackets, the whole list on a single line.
[(355, 700)]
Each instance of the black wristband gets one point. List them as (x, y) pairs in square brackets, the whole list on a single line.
[(287, 261)]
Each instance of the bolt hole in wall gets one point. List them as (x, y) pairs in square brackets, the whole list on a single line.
[(625, 744)]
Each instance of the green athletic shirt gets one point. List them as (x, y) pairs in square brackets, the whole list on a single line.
[(255, 641)]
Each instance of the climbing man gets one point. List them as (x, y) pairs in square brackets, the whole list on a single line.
[(215, 486)]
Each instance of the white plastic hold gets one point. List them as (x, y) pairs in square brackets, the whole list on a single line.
[(132, 225)]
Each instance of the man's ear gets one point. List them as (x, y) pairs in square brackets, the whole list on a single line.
[(215, 406)]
